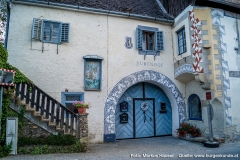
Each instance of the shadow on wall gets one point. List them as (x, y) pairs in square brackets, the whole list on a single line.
[(218, 122)]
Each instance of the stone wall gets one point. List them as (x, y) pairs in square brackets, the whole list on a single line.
[(32, 130), (83, 127)]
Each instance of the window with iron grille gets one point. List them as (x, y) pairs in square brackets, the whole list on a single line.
[(48, 31)]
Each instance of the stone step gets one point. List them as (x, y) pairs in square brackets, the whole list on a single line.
[(59, 129), (43, 119), (36, 114), (52, 124)]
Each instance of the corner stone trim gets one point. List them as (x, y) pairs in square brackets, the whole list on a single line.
[(128, 81)]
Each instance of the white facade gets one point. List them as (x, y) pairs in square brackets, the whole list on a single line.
[(61, 67), (231, 56), (55, 68)]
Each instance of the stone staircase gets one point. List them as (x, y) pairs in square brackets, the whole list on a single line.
[(44, 111)]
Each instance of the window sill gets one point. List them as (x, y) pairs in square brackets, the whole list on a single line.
[(148, 52), (196, 120)]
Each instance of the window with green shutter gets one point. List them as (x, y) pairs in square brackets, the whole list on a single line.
[(149, 40), (48, 31)]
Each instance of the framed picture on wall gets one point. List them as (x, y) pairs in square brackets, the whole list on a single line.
[(92, 72)]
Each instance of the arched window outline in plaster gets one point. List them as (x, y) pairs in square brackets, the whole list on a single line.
[(197, 113), (128, 81)]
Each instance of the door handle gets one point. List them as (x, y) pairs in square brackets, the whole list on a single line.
[(151, 119)]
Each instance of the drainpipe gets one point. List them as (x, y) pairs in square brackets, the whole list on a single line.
[(238, 51), (7, 24)]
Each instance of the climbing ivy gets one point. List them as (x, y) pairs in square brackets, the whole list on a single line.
[(3, 56), (6, 111)]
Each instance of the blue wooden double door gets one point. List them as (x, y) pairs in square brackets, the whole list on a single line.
[(148, 113)]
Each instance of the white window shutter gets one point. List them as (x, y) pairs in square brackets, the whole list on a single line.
[(65, 33), (159, 39), (139, 37), (36, 28)]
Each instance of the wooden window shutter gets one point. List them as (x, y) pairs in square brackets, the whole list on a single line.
[(36, 28), (139, 37), (159, 45), (65, 33)]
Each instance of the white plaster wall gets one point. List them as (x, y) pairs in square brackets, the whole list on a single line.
[(92, 34), (181, 22), (193, 87), (230, 38), (54, 72)]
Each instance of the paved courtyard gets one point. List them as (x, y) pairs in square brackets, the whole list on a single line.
[(145, 148)]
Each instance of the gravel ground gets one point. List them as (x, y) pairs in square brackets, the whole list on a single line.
[(145, 148)]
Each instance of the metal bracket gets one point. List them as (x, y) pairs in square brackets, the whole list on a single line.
[(145, 55), (155, 56)]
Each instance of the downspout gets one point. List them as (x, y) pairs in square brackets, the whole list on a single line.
[(238, 52), (7, 24)]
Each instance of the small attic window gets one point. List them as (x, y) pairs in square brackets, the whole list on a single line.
[(48, 31)]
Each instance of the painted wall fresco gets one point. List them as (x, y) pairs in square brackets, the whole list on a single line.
[(217, 15), (196, 41)]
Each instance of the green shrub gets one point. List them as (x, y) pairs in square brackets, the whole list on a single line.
[(5, 149), (62, 140), (46, 149)]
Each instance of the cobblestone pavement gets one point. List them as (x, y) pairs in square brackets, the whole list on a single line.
[(145, 148)]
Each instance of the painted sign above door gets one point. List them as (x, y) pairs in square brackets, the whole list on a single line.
[(151, 64)]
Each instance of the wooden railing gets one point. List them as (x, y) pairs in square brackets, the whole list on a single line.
[(48, 107)]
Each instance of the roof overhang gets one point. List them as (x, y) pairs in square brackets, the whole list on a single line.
[(92, 10)]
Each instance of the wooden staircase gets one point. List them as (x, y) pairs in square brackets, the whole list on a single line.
[(44, 111)]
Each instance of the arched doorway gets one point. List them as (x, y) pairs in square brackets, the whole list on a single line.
[(160, 80), (148, 112)]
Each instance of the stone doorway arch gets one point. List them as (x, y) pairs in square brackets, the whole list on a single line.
[(141, 76)]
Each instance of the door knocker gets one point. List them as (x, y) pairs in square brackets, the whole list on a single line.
[(144, 106)]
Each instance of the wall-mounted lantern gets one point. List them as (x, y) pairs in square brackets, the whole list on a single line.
[(6, 79)]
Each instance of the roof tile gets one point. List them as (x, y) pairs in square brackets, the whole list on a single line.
[(141, 7)]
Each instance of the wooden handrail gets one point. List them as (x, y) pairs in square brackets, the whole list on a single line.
[(48, 107)]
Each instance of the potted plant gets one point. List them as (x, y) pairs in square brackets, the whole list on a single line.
[(81, 106), (187, 130)]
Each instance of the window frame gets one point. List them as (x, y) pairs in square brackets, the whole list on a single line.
[(183, 44), (158, 40), (65, 94), (51, 31), (38, 28), (189, 107)]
